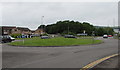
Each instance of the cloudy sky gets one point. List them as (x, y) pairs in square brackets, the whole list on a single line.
[(29, 14)]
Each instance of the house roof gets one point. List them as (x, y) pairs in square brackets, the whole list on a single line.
[(23, 28), (8, 27), (12, 27), (32, 30)]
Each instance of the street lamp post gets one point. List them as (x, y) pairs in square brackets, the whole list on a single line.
[(93, 34), (42, 24), (68, 29)]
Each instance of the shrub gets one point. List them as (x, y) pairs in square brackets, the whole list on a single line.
[(67, 33), (45, 34), (15, 35), (71, 33)]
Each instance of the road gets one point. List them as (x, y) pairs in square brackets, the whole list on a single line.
[(57, 57)]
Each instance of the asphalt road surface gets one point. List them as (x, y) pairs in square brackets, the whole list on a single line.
[(57, 57)]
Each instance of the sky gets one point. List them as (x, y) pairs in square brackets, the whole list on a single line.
[(29, 14)]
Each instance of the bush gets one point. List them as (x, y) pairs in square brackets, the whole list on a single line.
[(70, 33), (45, 34), (15, 35), (118, 35)]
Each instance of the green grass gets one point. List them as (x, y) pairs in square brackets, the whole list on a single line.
[(59, 41)]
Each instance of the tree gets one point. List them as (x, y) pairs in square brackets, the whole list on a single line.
[(88, 28), (109, 30), (68, 26), (42, 27), (101, 31)]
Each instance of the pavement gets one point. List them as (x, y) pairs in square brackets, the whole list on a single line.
[(107, 64), (57, 57), (112, 62)]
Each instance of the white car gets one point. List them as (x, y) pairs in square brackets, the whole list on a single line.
[(6, 38), (12, 38), (105, 36)]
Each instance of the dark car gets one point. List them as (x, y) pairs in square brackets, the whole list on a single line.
[(70, 36), (45, 37), (6, 38)]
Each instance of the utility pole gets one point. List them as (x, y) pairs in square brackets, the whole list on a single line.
[(68, 27), (42, 20)]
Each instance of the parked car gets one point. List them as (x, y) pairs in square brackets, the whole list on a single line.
[(45, 37), (105, 36), (70, 36), (109, 35), (12, 38), (6, 38)]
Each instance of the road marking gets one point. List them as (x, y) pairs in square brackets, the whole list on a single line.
[(91, 65)]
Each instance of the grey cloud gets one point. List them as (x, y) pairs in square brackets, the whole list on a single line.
[(29, 14)]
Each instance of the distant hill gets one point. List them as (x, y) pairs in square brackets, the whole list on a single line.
[(116, 27), (99, 26)]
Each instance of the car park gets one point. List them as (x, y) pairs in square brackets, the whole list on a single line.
[(70, 36)]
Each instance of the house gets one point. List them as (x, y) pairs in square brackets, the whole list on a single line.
[(32, 31), (21, 30), (7, 30), (39, 31)]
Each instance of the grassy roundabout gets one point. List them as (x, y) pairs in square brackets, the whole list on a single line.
[(60, 41)]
